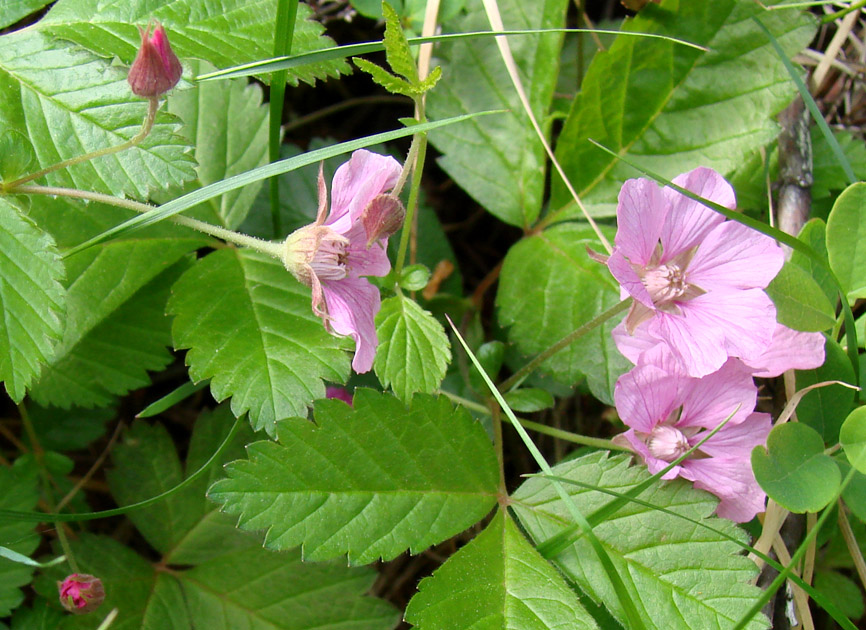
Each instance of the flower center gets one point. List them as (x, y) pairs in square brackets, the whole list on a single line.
[(666, 283), (667, 443), (329, 259)]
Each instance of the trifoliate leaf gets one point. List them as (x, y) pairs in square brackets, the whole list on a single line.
[(32, 299), (250, 329), (498, 580), (413, 351), (680, 576), (369, 481)]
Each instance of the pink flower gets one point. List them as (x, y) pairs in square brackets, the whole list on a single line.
[(788, 350), (668, 414), (333, 254), (156, 68), (81, 593), (696, 279)]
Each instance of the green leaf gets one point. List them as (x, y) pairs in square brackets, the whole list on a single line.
[(661, 103), (32, 300), (825, 408), (800, 302), (500, 163), (228, 126), (854, 494), (846, 240), (40, 617), (413, 351), (224, 33), (68, 429), (529, 400), (813, 235), (498, 580), (250, 329), (853, 438), (393, 84), (548, 287), (362, 481), (827, 175), (414, 277), (793, 469), (13, 10), (397, 51), (20, 492), (679, 575), (842, 591), (70, 102), (19, 158)]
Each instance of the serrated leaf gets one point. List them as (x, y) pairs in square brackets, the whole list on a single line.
[(362, 481), (68, 429), (20, 492), (116, 329), (500, 163), (19, 158), (846, 240), (224, 33), (678, 575), (249, 327), (393, 84), (800, 302), (13, 10), (397, 50), (32, 299), (793, 469), (430, 82), (228, 126), (70, 102), (413, 351), (662, 103), (498, 580), (548, 287)]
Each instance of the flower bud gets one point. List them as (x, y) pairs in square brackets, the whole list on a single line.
[(382, 217), (81, 593), (340, 393), (156, 68), (315, 250)]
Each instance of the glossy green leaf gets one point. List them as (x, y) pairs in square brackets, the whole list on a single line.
[(500, 163), (671, 107), (548, 287), (223, 33), (679, 576), (800, 302), (69, 102), (362, 481), (13, 10), (32, 300), (846, 240), (228, 126), (813, 234), (853, 438), (20, 492), (793, 469), (825, 408), (498, 580), (249, 328), (414, 352)]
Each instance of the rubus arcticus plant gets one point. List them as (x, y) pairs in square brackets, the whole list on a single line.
[(596, 374)]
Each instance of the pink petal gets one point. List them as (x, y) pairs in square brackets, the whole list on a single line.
[(689, 221), (732, 481), (352, 306), (698, 346), (640, 216), (361, 261), (789, 350), (622, 270), (734, 256), (709, 400), (645, 396), (653, 463), (356, 183), (738, 440)]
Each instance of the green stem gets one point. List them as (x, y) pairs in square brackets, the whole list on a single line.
[(266, 247), (412, 204), (146, 127), (526, 370), (834, 16), (560, 434)]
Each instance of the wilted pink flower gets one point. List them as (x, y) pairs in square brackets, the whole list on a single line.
[(81, 593), (668, 414), (340, 393), (156, 68), (696, 279), (333, 254), (788, 350)]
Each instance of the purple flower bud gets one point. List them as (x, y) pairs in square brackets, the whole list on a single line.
[(81, 593), (156, 68), (382, 217)]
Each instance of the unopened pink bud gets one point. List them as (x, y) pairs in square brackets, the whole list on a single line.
[(156, 68), (81, 593), (382, 217)]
